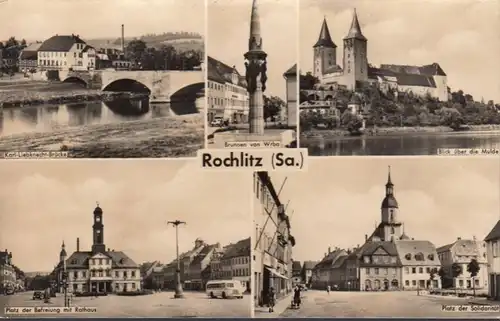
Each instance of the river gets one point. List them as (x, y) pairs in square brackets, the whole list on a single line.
[(414, 144), (47, 118)]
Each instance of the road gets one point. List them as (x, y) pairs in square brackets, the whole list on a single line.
[(195, 304), (378, 304)]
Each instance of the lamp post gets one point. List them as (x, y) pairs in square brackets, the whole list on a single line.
[(65, 284), (178, 287)]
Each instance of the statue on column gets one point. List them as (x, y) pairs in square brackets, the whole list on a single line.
[(254, 69)]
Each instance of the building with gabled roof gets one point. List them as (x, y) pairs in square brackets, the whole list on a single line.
[(98, 270), (200, 265), (355, 69), (66, 52), (461, 252), (236, 262), (493, 254)]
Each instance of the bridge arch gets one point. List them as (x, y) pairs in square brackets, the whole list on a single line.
[(126, 84), (187, 99), (76, 80)]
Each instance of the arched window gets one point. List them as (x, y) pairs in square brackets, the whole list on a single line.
[(419, 256)]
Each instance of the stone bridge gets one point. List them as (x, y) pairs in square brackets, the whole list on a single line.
[(163, 85)]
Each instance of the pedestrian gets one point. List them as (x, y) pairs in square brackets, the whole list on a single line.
[(328, 289), (296, 296), (272, 299)]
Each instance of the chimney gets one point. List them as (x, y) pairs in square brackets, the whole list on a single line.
[(459, 238), (123, 38), (78, 244), (329, 250), (474, 238), (366, 237), (325, 254)]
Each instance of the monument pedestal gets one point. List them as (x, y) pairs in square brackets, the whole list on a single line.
[(272, 138)]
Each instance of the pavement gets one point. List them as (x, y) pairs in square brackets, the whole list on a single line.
[(162, 304), (279, 308), (379, 304)]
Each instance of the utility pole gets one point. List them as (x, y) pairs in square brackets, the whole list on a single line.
[(178, 286)]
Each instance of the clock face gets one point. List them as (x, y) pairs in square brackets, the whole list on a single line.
[(97, 219), (98, 231)]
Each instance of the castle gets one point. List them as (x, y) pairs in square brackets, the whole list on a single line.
[(355, 70)]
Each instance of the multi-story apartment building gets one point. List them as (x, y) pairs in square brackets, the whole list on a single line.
[(66, 53), (7, 272), (216, 271), (28, 59), (307, 271), (227, 95), (199, 265), (100, 269), (493, 256), (462, 252), (236, 261), (272, 241), (185, 261)]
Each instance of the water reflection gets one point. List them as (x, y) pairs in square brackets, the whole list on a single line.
[(50, 118), (424, 144)]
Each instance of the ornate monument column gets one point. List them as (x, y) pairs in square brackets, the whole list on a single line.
[(255, 63)]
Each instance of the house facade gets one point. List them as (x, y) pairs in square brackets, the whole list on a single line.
[(289, 113), (7, 273), (66, 53), (28, 58), (236, 260), (493, 256)]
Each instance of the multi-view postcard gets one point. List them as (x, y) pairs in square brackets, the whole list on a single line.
[(99, 79), (369, 238), (252, 74), (398, 77), (115, 239)]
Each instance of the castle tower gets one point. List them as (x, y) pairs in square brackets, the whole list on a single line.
[(355, 62), (63, 255), (255, 74), (392, 227), (98, 232), (325, 52)]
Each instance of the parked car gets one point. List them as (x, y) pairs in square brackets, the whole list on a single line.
[(217, 122), (38, 295)]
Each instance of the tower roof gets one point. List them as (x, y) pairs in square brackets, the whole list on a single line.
[(390, 202), (324, 39), (355, 30), (255, 40), (98, 209), (63, 250), (389, 181)]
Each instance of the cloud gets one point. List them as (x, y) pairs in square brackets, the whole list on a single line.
[(47, 204), (228, 32), (462, 36), (338, 200)]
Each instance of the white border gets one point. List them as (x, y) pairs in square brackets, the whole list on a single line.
[(297, 127), (205, 109)]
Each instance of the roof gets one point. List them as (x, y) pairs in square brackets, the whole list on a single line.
[(389, 201), (309, 265), (324, 39), (240, 248), (494, 233), (119, 259), (203, 253), (433, 69), (220, 72), (386, 248), (30, 52), (415, 80), (292, 71), (60, 43), (332, 69), (379, 230), (417, 253), (355, 30), (296, 266), (462, 247), (330, 259), (266, 181)]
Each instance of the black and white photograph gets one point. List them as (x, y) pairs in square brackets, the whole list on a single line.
[(103, 78), (124, 239), (375, 237), (376, 80), (252, 73)]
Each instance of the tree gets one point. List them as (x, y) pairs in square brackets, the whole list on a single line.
[(432, 275), (135, 50), (456, 271), (308, 81), (272, 106), (473, 268)]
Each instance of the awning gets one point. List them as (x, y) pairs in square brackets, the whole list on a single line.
[(276, 273)]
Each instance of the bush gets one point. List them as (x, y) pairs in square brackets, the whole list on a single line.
[(135, 293), (90, 294)]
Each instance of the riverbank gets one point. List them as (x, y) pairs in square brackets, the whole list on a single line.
[(397, 131), (55, 96), (180, 136)]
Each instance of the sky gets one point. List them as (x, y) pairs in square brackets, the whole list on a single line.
[(45, 202), (229, 28), (39, 20), (337, 201), (461, 35)]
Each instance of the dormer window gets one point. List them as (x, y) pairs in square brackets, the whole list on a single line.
[(419, 257), (408, 256), (430, 257), (367, 259)]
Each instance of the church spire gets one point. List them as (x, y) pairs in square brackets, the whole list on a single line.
[(389, 181), (355, 30), (324, 39), (255, 40)]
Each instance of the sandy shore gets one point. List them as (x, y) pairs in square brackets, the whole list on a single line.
[(179, 136), (395, 131)]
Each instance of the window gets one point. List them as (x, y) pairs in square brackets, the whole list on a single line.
[(100, 260), (419, 257), (414, 282), (75, 287), (408, 256), (407, 270), (368, 271), (117, 273), (428, 270), (84, 274), (132, 274), (392, 228), (386, 271), (413, 270), (461, 283), (421, 270), (125, 274), (430, 257), (407, 283), (133, 285), (75, 275), (376, 271)]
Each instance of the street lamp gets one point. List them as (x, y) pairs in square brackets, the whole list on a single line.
[(178, 287)]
